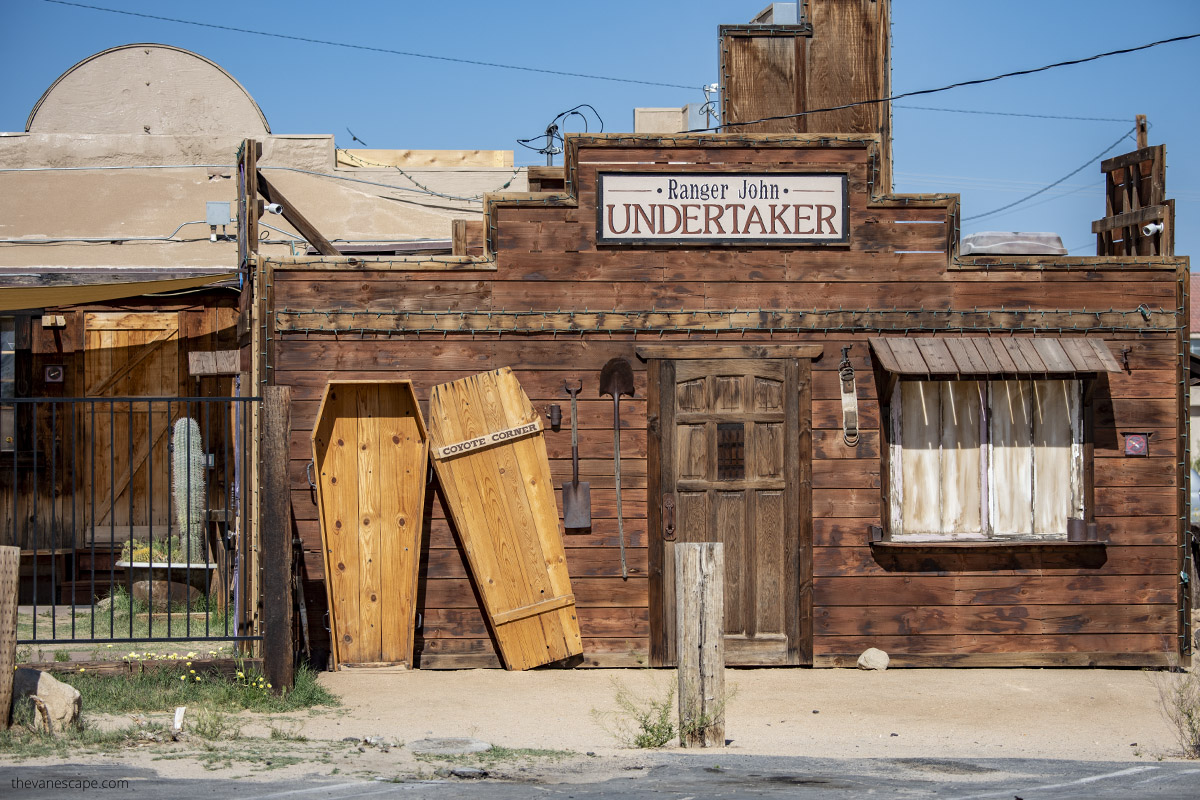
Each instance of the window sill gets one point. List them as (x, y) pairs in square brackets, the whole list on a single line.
[(984, 544)]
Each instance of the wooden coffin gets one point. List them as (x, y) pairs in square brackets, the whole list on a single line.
[(370, 453), (490, 455)]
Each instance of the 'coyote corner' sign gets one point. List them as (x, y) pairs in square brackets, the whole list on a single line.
[(732, 208)]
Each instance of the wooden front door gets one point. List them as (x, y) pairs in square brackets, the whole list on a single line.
[(733, 455), (124, 448)]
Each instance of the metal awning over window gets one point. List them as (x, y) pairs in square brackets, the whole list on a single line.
[(978, 356)]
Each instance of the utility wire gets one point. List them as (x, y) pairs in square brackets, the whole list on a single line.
[(1071, 174), (958, 85), (369, 48), (1014, 114)]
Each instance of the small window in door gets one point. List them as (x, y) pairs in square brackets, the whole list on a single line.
[(731, 451)]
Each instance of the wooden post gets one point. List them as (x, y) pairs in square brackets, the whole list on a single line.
[(1143, 129), (276, 536), (10, 562), (700, 634)]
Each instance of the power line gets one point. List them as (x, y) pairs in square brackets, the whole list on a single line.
[(1014, 114), (1070, 174), (958, 85), (369, 48)]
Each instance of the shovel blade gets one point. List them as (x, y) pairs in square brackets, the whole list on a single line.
[(577, 505)]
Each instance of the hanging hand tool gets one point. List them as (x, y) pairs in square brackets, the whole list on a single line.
[(616, 378), (577, 497)]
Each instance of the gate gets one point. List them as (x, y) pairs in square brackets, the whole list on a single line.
[(132, 518)]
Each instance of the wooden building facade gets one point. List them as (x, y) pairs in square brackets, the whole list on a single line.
[(981, 383)]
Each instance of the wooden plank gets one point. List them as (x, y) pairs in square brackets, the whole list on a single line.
[(298, 221), (799, 495), (214, 362), (883, 352), (278, 656), (1105, 355), (1013, 591), (1028, 619), (1004, 660), (1081, 355), (550, 604), (1053, 356), (910, 360), (334, 454), (966, 356), (936, 355)]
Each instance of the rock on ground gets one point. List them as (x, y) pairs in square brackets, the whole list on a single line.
[(873, 658), (55, 704), (160, 594), (448, 746)]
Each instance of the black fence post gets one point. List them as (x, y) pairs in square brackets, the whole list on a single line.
[(275, 530)]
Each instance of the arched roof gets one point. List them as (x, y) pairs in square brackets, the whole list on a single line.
[(147, 88)]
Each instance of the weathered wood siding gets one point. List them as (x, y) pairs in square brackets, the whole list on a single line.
[(998, 605)]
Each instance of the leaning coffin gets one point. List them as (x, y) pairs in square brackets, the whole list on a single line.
[(490, 455), (370, 451)]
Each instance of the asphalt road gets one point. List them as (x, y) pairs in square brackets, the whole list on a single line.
[(679, 777)]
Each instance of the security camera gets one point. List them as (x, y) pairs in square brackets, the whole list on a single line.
[(1152, 228), (273, 208)]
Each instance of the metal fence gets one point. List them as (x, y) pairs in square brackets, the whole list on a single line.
[(131, 518)]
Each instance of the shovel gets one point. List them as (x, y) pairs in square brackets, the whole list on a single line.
[(577, 497), (616, 378)]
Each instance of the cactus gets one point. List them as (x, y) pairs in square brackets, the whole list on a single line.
[(188, 488)]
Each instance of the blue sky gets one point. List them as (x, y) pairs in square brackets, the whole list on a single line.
[(392, 101)]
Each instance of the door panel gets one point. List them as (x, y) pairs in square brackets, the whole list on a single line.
[(729, 454), (125, 447)]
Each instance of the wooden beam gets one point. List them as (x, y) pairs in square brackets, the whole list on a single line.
[(1143, 130), (707, 351), (1134, 219), (10, 563), (1130, 159), (390, 159), (415, 263), (981, 320), (292, 214), (700, 633), (276, 540)]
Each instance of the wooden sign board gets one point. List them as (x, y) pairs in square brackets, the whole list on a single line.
[(721, 208)]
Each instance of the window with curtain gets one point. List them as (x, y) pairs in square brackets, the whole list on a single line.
[(985, 459)]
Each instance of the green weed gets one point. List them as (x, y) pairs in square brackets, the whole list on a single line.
[(1179, 695), (642, 722), (165, 687)]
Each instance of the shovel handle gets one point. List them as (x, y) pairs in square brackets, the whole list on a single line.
[(574, 431)]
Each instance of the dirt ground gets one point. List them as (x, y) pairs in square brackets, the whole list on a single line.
[(1048, 713), (1075, 714)]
